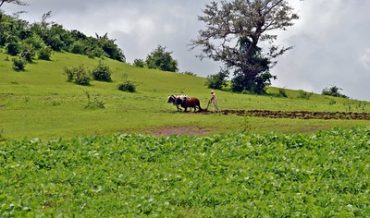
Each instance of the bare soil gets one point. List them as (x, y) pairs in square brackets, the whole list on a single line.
[(299, 114)]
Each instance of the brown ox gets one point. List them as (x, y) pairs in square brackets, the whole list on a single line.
[(185, 102)]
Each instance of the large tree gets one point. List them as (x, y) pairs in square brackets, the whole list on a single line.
[(241, 34)]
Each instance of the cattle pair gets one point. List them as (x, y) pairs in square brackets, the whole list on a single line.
[(185, 102)]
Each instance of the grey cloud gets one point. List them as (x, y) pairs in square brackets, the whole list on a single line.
[(331, 40)]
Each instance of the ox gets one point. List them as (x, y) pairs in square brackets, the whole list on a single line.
[(185, 101)]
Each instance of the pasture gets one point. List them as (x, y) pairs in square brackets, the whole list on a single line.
[(40, 103)]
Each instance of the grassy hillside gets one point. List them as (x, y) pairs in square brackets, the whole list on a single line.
[(40, 103)]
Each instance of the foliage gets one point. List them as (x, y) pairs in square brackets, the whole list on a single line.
[(269, 175), (162, 60), (304, 95), (282, 93), (233, 33), (38, 35), (102, 72), (127, 86), (333, 91), (94, 103), (78, 75), (139, 63), (217, 81), (13, 48), (28, 54), (45, 53), (189, 73), (19, 64)]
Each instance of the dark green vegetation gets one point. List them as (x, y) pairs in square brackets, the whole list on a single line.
[(160, 59), (333, 91), (321, 175), (19, 37)]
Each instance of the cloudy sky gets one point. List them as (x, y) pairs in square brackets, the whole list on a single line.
[(331, 40)]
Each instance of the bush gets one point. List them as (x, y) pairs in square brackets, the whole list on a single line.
[(78, 48), (78, 75), (189, 73), (333, 91), (28, 54), (13, 48), (127, 87), (45, 53), (282, 93), (94, 103), (217, 81), (139, 63), (304, 95), (19, 64), (102, 73)]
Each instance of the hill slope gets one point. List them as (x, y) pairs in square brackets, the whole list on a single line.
[(40, 103)]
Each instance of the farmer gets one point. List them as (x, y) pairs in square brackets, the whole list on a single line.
[(213, 101)]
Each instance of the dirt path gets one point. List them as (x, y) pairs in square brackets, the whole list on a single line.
[(299, 114)]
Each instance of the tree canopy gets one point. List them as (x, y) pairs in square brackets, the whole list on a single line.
[(162, 60), (241, 34)]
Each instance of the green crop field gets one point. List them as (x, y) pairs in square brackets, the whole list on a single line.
[(325, 174), (40, 103)]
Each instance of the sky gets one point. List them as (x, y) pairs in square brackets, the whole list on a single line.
[(331, 39)]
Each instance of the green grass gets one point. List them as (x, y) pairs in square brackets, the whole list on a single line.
[(325, 174), (40, 103)]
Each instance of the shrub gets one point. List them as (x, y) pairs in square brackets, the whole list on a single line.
[(334, 91), (217, 81), (304, 95), (28, 54), (94, 103), (78, 48), (282, 93), (189, 73), (19, 64), (139, 63), (78, 75), (13, 48), (102, 73), (127, 87), (45, 53), (35, 41)]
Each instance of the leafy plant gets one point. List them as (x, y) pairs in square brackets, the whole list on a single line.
[(333, 91), (102, 72), (19, 64), (45, 53), (304, 95), (217, 81), (127, 85), (139, 63), (282, 93), (93, 103), (78, 75)]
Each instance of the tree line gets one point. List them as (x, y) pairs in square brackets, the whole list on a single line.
[(19, 37)]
